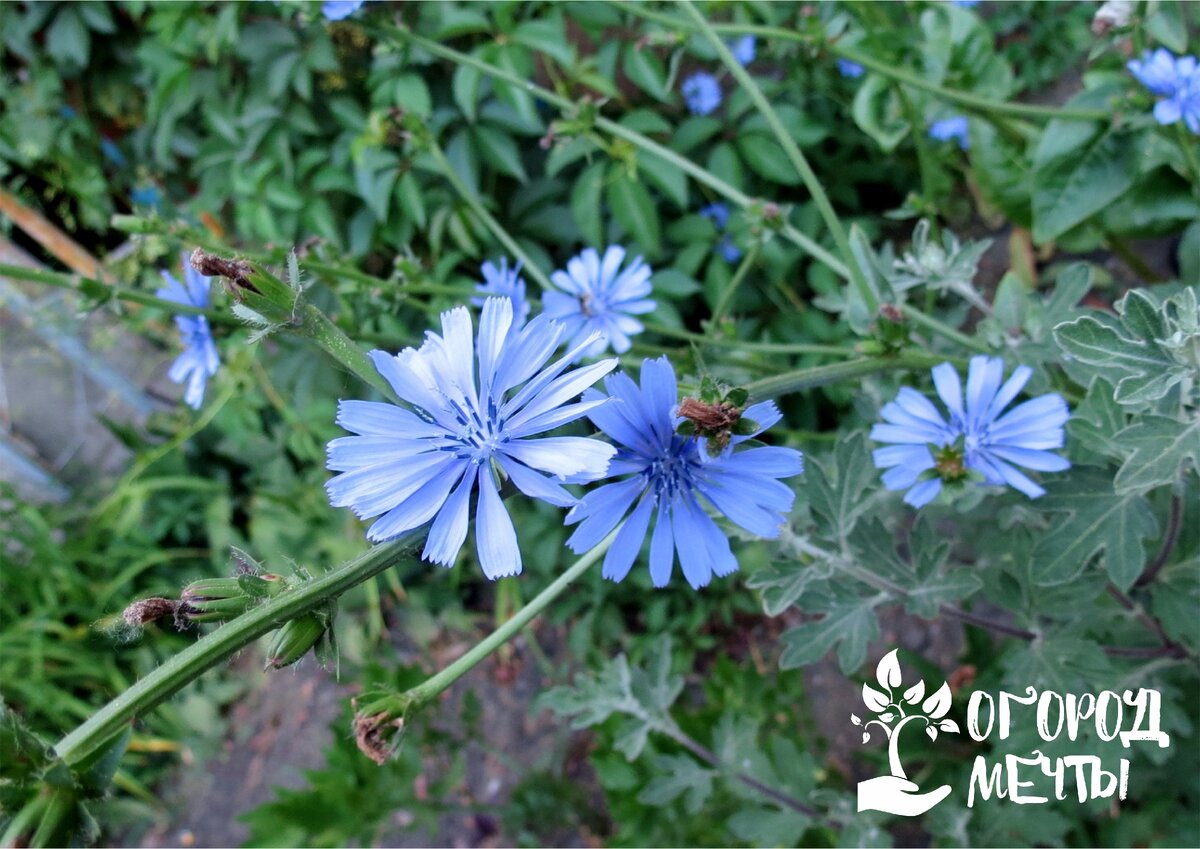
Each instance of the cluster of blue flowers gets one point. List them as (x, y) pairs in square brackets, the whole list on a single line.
[(478, 406), (199, 360), (1176, 81), (718, 214), (702, 91), (925, 450)]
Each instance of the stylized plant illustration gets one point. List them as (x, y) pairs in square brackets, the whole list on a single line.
[(891, 707)]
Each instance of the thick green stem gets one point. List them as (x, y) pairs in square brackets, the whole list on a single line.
[(808, 378), (755, 347), (214, 648), (489, 220), (74, 281), (944, 330), (793, 152), (431, 688), (726, 297), (635, 138)]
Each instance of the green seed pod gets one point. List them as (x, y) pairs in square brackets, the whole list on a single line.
[(214, 599)]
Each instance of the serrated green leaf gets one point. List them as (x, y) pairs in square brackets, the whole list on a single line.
[(836, 486), (1099, 521), (679, 775), (847, 624), (1161, 449)]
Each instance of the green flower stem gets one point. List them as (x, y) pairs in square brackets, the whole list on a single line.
[(965, 99), (808, 378), (510, 244), (944, 330), (793, 152), (756, 347), (568, 106), (730, 290), (214, 648), (319, 328), (430, 689), (74, 281)]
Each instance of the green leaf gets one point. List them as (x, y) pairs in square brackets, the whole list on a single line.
[(499, 151), (1134, 360), (1002, 169), (668, 177), (410, 93), (836, 487), (848, 623), (465, 86), (546, 35), (767, 159), (879, 113), (646, 70), (1095, 423), (769, 827), (67, 39), (1079, 168), (586, 195), (680, 776), (1098, 522), (1161, 448), (632, 205), (673, 283)]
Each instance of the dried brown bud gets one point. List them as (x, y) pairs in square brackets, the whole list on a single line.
[(891, 312), (371, 733), (236, 271), (148, 610)]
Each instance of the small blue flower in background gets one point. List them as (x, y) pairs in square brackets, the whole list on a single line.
[(67, 112), (111, 152), (504, 282), (671, 478), (336, 10), (850, 70), (965, 4), (744, 49), (598, 296), (410, 466), (1176, 81), (977, 436), (701, 92), (718, 214), (146, 195), (951, 129), (199, 360)]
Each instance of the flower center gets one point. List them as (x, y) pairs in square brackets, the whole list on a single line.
[(671, 472), (478, 438)]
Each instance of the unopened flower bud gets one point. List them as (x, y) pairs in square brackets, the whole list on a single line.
[(215, 599), (295, 638)]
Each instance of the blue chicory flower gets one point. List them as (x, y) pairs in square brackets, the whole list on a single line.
[(965, 4), (978, 436), (199, 360), (147, 195), (718, 214), (466, 426), (672, 478), (744, 49), (504, 282), (597, 295), (112, 152), (701, 92), (951, 129), (1176, 81), (850, 70), (337, 10)]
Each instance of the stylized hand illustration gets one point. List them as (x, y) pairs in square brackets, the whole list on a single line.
[(893, 795)]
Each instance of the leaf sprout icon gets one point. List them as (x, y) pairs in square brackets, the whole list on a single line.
[(896, 708)]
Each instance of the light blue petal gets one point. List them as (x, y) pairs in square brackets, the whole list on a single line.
[(689, 541), (1011, 388), (564, 388), (913, 456), (743, 511), (417, 509), (662, 548), (628, 544), (372, 418), (495, 538), (599, 512), (535, 485), (494, 323), (1039, 461), (768, 461), (983, 379), (563, 456), (353, 452), (659, 397), (923, 493), (372, 490), (949, 389), (449, 529)]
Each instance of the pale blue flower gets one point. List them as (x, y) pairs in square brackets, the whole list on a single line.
[(701, 92), (744, 49), (926, 448), (672, 479), (597, 295), (951, 129), (199, 360), (965, 4), (337, 10), (850, 70), (504, 282), (1176, 81), (467, 429)]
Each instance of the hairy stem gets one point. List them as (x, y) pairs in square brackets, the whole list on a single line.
[(230, 638), (808, 378)]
